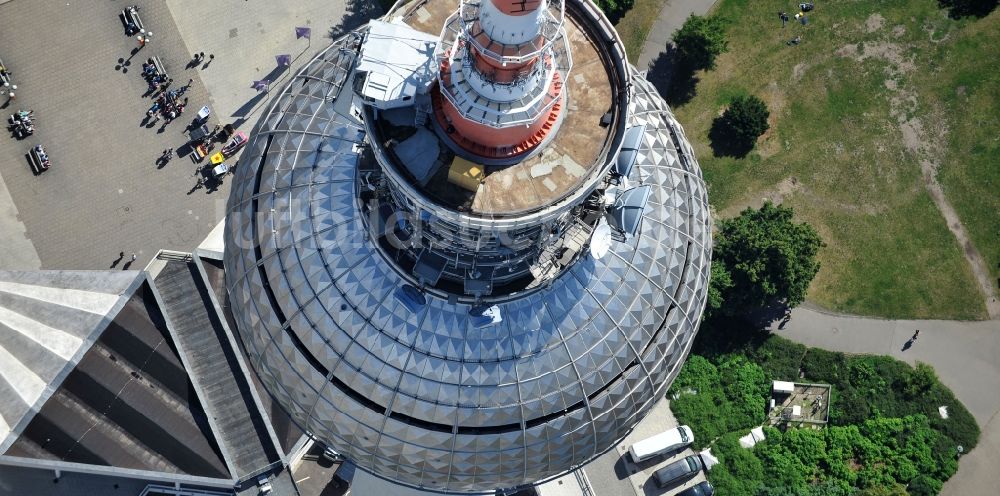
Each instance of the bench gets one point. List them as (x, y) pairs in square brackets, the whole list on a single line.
[(4, 75), (37, 165), (131, 20), (158, 66)]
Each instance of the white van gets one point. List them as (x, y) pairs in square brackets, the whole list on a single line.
[(664, 442)]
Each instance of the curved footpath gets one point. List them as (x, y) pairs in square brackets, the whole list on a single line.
[(965, 355)]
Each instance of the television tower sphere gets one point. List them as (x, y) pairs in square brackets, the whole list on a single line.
[(468, 246)]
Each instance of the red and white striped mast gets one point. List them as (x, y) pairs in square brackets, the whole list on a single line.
[(501, 83)]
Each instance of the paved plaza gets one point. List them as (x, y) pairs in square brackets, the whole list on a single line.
[(105, 193)]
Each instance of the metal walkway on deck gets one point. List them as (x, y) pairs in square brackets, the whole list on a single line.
[(212, 365)]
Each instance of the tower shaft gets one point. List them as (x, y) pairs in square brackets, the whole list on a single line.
[(501, 93)]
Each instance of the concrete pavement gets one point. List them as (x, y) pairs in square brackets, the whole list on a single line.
[(16, 251), (965, 355), (671, 18), (614, 474), (104, 193), (245, 36)]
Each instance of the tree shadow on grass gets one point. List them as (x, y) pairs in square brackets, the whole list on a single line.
[(725, 143), (675, 82), (963, 8)]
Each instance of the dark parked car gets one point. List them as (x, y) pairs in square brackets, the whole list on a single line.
[(702, 489), (678, 471)]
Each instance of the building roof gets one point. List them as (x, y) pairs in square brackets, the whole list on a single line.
[(399, 61), (127, 403), (48, 321)]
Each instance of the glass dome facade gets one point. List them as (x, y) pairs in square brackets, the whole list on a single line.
[(426, 394)]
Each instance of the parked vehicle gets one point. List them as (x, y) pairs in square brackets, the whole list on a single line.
[(701, 489), (678, 471), (331, 455), (664, 442), (235, 144)]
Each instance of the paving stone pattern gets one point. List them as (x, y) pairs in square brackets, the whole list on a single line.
[(104, 193)]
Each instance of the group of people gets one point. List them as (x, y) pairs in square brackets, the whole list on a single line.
[(156, 80), (42, 156), (168, 104), (22, 123)]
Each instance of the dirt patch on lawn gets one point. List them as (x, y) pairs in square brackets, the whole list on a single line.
[(885, 50), (776, 194), (874, 22), (799, 70)]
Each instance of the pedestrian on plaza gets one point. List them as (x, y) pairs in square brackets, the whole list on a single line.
[(142, 40), (133, 256), (915, 334)]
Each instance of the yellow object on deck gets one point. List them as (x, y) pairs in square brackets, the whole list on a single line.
[(466, 174), (218, 158)]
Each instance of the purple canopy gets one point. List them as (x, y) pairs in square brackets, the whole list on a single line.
[(261, 85), (303, 33), (284, 59)]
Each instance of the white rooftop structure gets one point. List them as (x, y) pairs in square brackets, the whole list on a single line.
[(784, 387), (399, 62)]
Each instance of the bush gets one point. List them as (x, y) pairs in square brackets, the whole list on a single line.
[(699, 41), (780, 358), (829, 365), (729, 397), (923, 485), (739, 470), (746, 388)]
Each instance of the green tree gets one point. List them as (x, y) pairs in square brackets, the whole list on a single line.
[(699, 41), (718, 285), (770, 258), (615, 9), (745, 120)]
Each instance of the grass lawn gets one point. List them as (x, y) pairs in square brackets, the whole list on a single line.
[(872, 89)]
